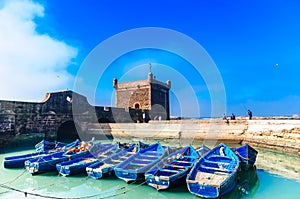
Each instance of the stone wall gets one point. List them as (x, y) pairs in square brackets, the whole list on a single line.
[(128, 94), (160, 101), (150, 95), (275, 134), (54, 112)]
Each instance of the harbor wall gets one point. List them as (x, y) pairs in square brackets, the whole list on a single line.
[(279, 134)]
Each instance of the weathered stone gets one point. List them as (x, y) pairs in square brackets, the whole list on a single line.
[(150, 95), (62, 114)]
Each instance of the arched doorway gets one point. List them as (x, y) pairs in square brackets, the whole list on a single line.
[(137, 106), (67, 132)]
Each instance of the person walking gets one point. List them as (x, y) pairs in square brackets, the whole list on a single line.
[(250, 114)]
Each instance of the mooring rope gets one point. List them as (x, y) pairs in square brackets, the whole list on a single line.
[(236, 152), (26, 193), (17, 177)]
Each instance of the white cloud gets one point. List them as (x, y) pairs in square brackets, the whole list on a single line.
[(31, 63)]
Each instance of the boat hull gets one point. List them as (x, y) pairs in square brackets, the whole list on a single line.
[(215, 173), (173, 169), (247, 155), (134, 168), (18, 161), (79, 165)]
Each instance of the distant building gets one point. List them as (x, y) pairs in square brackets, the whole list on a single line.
[(149, 95)]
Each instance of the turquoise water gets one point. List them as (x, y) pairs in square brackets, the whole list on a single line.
[(266, 181)]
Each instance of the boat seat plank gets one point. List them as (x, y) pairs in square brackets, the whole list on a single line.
[(138, 164), (182, 161), (169, 170), (175, 166), (216, 169), (211, 179), (117, 160)]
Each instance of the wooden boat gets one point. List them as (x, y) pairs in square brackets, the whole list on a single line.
[(18, 160), (202, 150), (44, 145), (134, 168), (215, 173), (106, 166), (247, 155), (172, 170), (48, 163), (78, 165)]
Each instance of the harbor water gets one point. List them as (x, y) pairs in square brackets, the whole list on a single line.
[(277, 175)]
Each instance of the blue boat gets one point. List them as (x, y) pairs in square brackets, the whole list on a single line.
[(78, 165), (172, 170), (134, 168), (202, 150), (48, 163), (215, 173), (106, 166), (45, 146), (18, 160), (247, 155)]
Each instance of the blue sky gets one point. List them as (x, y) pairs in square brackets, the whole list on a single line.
[(255, 45)]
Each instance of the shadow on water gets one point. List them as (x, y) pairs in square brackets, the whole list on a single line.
[(247, 185), (21, 143)]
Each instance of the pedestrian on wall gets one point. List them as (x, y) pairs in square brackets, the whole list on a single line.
[(250, 114), (232, 117), (224, 117), (144, 117)]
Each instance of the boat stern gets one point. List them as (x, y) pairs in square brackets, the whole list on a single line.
[(32, 167), (157, 182), (205, 191), (94, 173), (127, 176), (63, 170)]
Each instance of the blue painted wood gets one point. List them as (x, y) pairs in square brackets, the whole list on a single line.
[(78, 165), (134, 168), (19, 160), (215, 173), (172, 170), (106, 166), (247, 155)]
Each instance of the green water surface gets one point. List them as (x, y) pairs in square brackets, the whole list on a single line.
[(276, 176)]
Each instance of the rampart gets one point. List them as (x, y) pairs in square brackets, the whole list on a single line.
[(279, 134)]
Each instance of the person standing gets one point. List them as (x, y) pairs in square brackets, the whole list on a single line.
[(224, 117), (232, 117), (250, 114)]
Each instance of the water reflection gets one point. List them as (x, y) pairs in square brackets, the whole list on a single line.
[(247, 185)]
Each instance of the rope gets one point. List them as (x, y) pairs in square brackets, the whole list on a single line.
[(27, 193), (17, 177), (54, 197), (236, 152)]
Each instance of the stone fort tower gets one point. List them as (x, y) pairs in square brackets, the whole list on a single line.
[(148, 95)]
